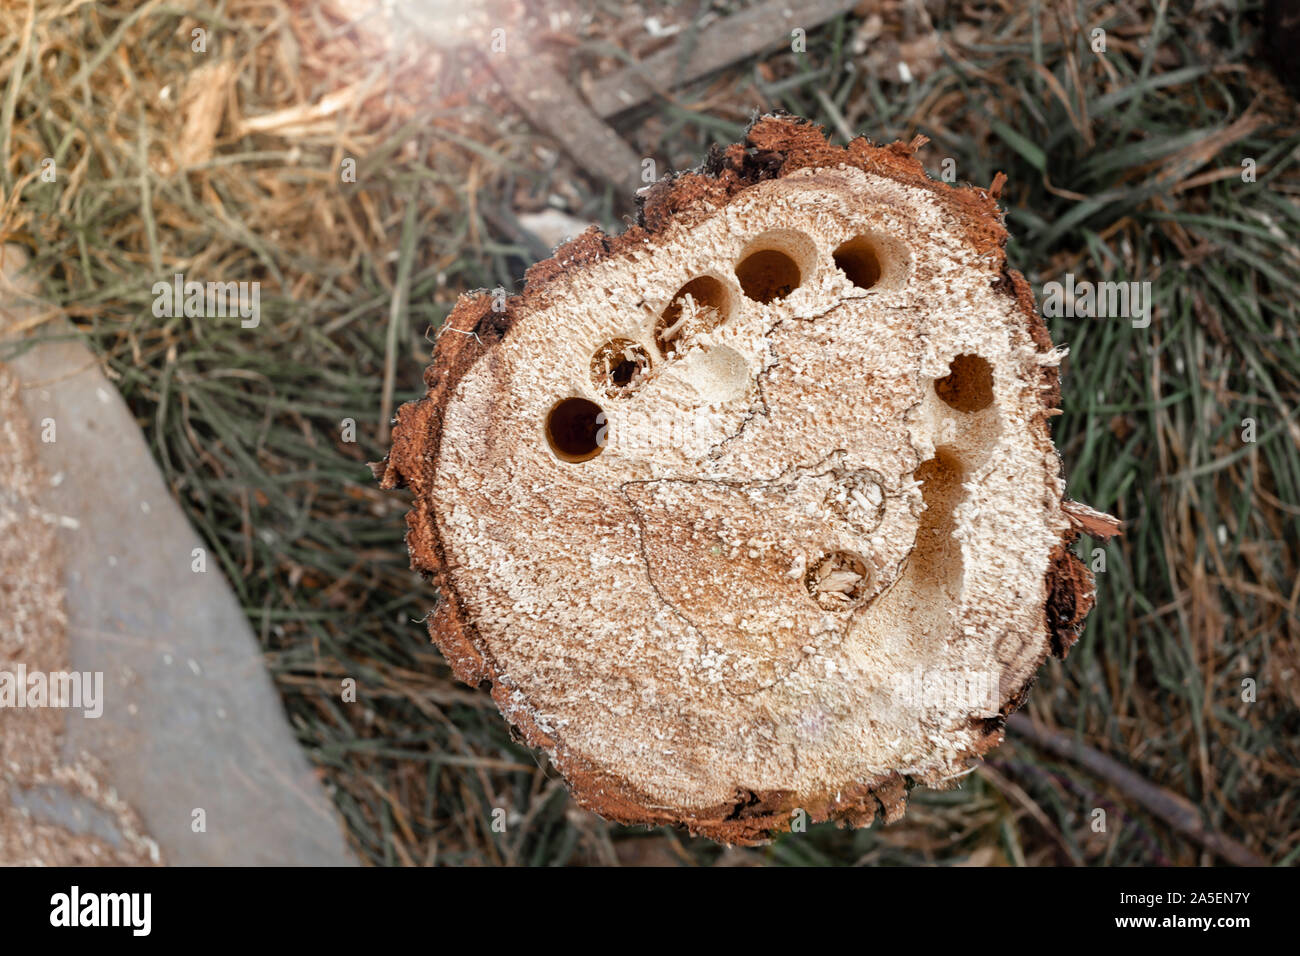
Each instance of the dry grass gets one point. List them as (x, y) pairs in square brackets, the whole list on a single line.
[(225, 166)]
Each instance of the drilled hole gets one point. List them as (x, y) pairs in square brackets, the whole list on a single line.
[(768, 275), (699, 306), (576, 429), (857, 259), (838, 580), (968, 386), (619, 367), (936, 554)]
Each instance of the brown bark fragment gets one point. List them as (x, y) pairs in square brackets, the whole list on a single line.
[(1070, 598)]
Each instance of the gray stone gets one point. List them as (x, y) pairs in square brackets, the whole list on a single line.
[(191, 718)]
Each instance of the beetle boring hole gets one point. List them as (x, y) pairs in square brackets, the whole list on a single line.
[(700, 305), (968, 386), (859, 500), (937, 556), (619, 366), (838, 580), (857, 259), (575, 429), (768, 275)]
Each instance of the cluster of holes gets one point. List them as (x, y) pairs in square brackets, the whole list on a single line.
[(968, 386), (765, 274), (838, 580), (769, 274)]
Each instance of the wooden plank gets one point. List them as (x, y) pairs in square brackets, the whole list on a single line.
[(554, 107), (763, 27)]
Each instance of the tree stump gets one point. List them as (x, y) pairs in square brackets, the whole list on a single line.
[(751, 514)]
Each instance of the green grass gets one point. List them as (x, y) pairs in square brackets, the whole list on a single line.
[(1199, 593)]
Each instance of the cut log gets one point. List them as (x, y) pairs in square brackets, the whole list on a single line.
[(751, 514)]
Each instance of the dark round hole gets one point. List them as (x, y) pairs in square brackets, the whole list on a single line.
[(858, 260), (623, 372), (968, 386), (576, 429), (708, 308), (619, 367), (768, 275)]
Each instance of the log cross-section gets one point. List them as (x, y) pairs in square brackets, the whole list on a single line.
[(754, 508)]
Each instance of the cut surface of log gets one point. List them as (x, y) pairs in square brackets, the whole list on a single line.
[(754, 508)]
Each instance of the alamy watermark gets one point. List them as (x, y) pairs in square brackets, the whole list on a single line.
[(948, 688), (197, 300), (640, 430), (1100, 300), (73, 690), (74, 908)]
